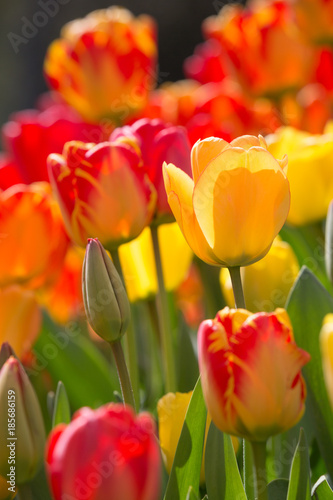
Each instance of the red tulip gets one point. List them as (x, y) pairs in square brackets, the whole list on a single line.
[(251, 373), (104, 454), (103, 192), (31, 135), (158, 142)]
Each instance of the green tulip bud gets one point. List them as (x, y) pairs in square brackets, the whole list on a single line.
[(22, 432), (104, 296)]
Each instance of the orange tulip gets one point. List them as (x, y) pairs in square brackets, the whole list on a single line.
[(251, 373), (104, 65), (236, 203), (33, 240), (103, 192), (20, 318), (258, 39), (315, 18)]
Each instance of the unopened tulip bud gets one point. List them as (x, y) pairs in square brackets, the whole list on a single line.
[(105, 299), (6, 352), (22, 432)]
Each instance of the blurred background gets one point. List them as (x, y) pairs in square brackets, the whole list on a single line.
[(27, 29)]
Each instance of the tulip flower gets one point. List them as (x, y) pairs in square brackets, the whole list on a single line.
[(9, 172), (104, 64), (137, 260), (257, 39), (117, 451), (171, 410), (326, 347), (104, 295), (46, 132), (103, 192), (4, 493), (33, 239), (266, 283), (20, 318), (309, 172), (315, 18), (250, 371), (18, 401), (158, 142), (236, 203)]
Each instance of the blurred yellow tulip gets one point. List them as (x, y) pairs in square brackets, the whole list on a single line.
[(171, 410), (310, 172), (20, 318), (266, 283), (326, 346), (137, 260)]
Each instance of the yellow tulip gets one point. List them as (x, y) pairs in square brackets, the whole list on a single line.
[(171, 410), (137, 260), (20, 318), (236, 203), (326, 346), (310, 172), (266, 283)]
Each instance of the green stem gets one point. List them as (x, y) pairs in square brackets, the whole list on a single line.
[(130, 339), (248, 470), (164, 318), (124, 379), (259, 456), (237, 286), (25, 492)]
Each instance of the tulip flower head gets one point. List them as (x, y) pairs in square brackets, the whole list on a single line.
[(104, 64), (103, 192), (117, 451), (326, 346), (28, 447), (251, 373), (104, 295), (236, 203)]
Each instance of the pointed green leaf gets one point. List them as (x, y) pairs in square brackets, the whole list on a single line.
[(191, 494), (71, 357), (299, 482), (186, 467), (322, 490), (61, 409), (223, 480), (278, 489), (307, 305)]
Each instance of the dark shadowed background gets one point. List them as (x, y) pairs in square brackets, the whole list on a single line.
[(27, 29)]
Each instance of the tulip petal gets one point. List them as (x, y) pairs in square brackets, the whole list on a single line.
[(203, 152), (241, 201), (179, 188)]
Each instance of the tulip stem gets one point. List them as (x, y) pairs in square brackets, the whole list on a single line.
[(259, 456), (124, 378), (237, 287), (130, 339), (164, 318)]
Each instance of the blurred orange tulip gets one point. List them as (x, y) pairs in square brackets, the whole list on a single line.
[(103, 192), (315, 18), (33, 240), (104, 64), (258, 39), (20, 318)]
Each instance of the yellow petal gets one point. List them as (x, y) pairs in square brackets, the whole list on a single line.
[(179, 188), (203, 152)]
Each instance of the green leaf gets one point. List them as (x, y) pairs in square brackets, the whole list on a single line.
[(188, 372), (61, 409), (307, 305), (299, 482), (223, 480), (322, 490), (186, 467), (71, 357), (278, 489), (191, 495)]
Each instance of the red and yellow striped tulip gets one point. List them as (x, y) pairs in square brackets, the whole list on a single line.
[(251, 373)]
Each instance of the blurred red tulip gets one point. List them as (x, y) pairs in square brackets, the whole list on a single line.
[(158, 142), (31, 135), (106, 453), (103, 192)]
